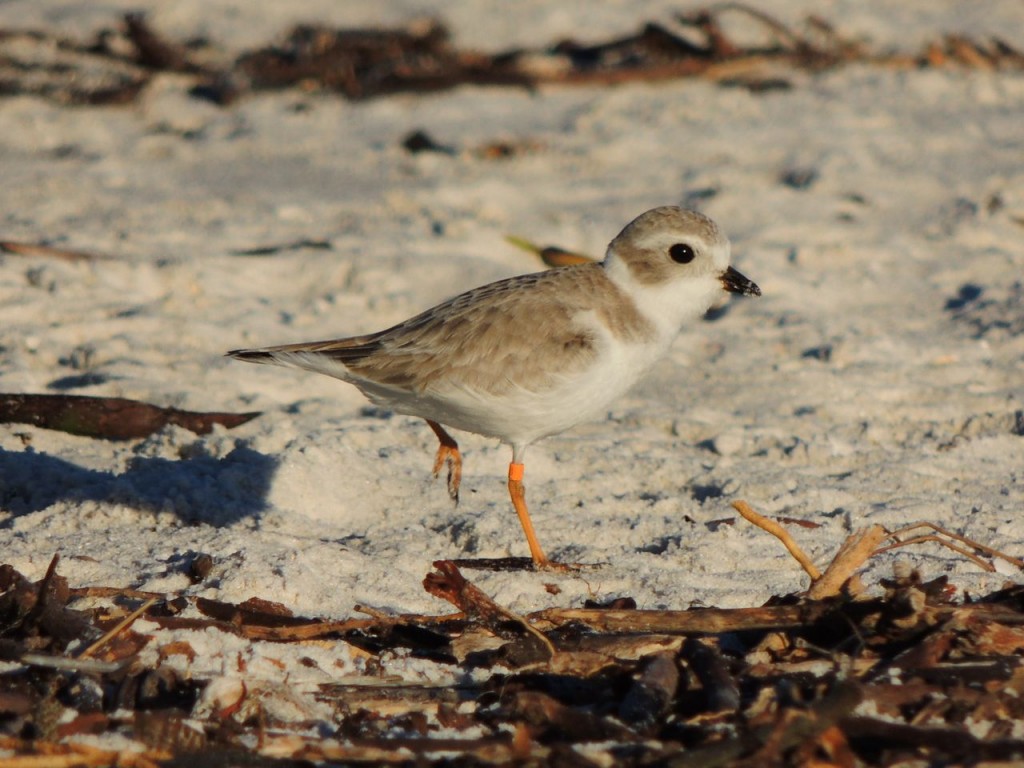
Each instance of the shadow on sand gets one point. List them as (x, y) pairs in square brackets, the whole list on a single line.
[(217, 491)]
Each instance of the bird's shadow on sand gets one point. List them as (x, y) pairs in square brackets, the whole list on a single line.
[(217, 491)]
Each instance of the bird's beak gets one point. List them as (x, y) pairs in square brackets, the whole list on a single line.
[(734, 282)]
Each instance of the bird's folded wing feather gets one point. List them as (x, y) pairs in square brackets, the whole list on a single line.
[(520, 332)]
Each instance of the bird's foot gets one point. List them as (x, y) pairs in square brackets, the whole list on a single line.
[(450, 455)]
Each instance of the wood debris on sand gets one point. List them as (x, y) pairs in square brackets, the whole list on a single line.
[(839, 679), (361, 63)]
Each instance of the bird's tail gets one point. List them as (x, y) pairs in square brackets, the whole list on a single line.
[(315, 356), (251, 355)]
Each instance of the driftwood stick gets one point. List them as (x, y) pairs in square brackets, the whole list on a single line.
[(697, 621), (855, 551)]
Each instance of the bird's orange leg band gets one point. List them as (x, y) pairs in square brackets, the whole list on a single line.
[(448, 451), (518, 494)]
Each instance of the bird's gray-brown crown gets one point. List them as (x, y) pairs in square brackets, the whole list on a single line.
[(657, 243), (670, 217)]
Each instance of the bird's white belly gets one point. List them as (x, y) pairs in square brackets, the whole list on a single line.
[(520, 415)]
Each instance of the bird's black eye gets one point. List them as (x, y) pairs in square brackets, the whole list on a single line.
[(681, 253)]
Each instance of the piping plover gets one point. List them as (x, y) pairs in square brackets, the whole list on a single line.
[(533, 355)]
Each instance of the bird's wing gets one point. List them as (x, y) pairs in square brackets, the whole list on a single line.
[(520, 332)]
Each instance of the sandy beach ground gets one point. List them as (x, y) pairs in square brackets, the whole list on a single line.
[(879, 379)]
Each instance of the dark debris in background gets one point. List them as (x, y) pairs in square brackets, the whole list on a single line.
[(420, 57)]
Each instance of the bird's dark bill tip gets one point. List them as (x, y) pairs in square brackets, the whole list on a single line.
[(735, 282)]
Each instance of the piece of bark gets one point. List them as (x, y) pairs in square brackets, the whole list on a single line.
[(652, 692), (721, 693)]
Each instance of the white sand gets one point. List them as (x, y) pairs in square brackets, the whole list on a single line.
[(905, 412)]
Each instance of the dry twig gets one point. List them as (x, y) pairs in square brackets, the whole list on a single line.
[(781, 534), (974, 545), (862, 545), (121, 626)]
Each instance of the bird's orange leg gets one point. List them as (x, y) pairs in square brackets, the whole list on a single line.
[(518, 493), (448, 451)]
